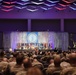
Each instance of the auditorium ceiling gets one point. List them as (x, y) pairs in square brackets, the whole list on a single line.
[(36, 5)]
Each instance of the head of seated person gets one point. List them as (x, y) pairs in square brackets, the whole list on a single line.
[(34, 71), (65, 60), (27, 63), (37, 63), (15, 54), (19, 59), (51, 61), (72, 59), (5, 59), (57, 61), (1, 53)]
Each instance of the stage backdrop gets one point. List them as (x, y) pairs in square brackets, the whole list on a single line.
[(56, 39)]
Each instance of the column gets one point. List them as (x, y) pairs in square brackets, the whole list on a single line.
[(62, 25), (29, 25)]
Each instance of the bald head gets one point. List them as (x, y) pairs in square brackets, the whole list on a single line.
[(26, 60), (57, 58), (72, 58), (72, 55)]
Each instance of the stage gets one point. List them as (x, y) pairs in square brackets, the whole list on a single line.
[(32, 40)]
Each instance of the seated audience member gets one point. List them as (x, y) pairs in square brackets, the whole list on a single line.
[(65, 63), (34, 71), (1, 55), (18, 67), (12, 63), (12, 60), (3, 62), (38, 64), (3, 65), (51, 70), (13, 57), (34, 55), (72, 69), (27, 64), (51, 63)]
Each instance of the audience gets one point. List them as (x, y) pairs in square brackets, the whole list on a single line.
[(38, 63)]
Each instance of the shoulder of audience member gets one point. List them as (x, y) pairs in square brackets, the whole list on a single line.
[(65, 70), (21, 73)]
